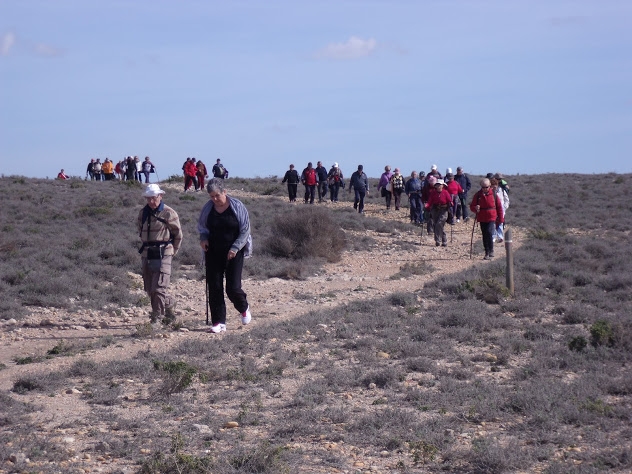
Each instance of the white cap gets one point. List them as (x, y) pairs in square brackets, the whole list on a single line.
[(448, 170), (335, 165), (433, 167), (152, 190)]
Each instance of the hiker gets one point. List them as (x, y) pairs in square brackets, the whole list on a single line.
[(309, 178), (434, 172), (335, 181), (130, 169), (384, 186), (439, 202), (96, 169), (454, 188), (90, 170), (291, 177), (321, 171), (360, 184), (190, 172), (413, 191), (138, 165), (219, 171), (502, 183), (426, 189), (161, 234), (119, 170), (489, 212), (148, 167), (201, 174), (461, 206), (499, 235), (62, 175), (224, 228), (108, 170), (398, 184)]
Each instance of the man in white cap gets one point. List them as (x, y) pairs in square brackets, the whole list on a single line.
[(335, 180), (159, 230)]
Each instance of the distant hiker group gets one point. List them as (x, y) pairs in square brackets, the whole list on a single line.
[(195, 173), (127, 169), (433, 199)]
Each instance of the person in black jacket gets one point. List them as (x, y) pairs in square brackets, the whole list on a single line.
[(461, 205), (321, 171), (292, 179), (360, 184)]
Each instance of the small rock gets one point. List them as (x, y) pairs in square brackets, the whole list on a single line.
[(231, 424), (385, 454), (183, 330), (16, 458), (68, 439), (383, 355), (145, 451), (372, 386), (10, 322), (204, 429), (449, 432)]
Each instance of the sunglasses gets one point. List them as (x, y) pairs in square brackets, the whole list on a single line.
[(485, 187)]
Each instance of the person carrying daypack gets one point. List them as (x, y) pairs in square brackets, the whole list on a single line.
[(335, 181), (398, 184), (309, 178), (219, 171)]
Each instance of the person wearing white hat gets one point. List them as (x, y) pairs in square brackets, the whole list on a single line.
[(335, 180), (161, 234), (435, 172), (439, 201)]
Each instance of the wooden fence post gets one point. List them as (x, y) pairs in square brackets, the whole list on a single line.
[(510, 267)]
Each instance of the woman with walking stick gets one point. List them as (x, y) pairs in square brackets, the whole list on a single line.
[(224, 228), (489, 212)]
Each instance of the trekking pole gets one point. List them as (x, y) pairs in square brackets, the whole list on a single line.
[(451, 232), (205, 288), (472, 240)]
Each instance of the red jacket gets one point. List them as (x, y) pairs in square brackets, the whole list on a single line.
[(491, 209), (190, 169), (454, 188), (438, 199)]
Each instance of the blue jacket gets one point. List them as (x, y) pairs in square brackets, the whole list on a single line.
[(464, 181)]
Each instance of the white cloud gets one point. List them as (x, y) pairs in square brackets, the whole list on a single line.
[(353, 48), (8, 40)]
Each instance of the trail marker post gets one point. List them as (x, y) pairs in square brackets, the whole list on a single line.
[(510, 267)]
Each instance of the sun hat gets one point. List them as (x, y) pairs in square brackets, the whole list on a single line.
[(396, 170), (152, 190), (439, 181), (433, 167), (335, 165)]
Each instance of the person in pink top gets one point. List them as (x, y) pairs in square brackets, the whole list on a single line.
[(439, 201), (62, 175)]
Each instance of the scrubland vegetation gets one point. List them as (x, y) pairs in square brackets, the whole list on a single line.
[(456, 377)]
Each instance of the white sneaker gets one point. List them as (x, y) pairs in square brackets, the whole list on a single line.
[(217, 328), (246, 316)]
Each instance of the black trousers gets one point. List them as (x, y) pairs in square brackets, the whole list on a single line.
[(217, 266), (322, 190), (291, 191), (488, 228), (310, 190)]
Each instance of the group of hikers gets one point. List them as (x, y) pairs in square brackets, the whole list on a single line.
[(127, 169), (433, 199), (195, 173)]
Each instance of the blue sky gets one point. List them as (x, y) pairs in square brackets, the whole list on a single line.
[(513, 86)]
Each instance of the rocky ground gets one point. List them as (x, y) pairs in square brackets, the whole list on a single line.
[(357, 276)]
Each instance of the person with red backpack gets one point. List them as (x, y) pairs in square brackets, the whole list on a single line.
[(309, 178), (190, 174)]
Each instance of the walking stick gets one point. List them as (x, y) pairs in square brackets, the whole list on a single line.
[(472, 240), (451, 232), (205, 289)]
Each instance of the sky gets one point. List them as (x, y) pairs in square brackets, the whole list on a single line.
[(528, 87)]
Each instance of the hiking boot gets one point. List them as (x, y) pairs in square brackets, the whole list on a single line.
[(154, 317), (490, 255), (217, 328), (246, 316), (170, 313), (437, 244), (444, 244), (486, 257)]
